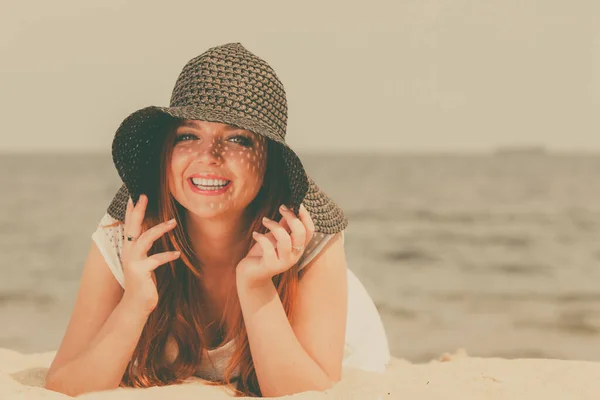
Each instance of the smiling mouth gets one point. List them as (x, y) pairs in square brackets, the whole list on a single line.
[(211, 187), (207, 186)]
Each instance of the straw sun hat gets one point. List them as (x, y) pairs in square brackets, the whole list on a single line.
[(226, 84)]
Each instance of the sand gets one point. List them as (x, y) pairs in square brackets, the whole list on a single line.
[(452, 376)]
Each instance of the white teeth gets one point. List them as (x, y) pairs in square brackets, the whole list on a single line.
[(209, 182)]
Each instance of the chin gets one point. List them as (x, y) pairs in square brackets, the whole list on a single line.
[(205, 211), (209, 207)]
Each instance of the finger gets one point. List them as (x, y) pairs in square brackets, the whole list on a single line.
[(137, 217), (283, 222), (156, 260), (269, 257), (127, 223), (308, 223), (269, 234), (283, 241), (298, 231), (128, 210), (147, 239)]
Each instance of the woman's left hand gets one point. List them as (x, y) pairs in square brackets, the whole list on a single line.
[(278, 250)]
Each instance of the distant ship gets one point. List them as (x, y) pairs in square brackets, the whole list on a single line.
[(533, 150)]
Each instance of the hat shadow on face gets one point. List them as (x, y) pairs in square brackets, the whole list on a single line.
[(232, 156)]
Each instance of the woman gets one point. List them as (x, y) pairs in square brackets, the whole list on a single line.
[(233, 267)]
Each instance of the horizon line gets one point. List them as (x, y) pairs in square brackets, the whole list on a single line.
[(375, 152)]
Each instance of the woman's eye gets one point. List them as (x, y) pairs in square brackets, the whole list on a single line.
[(185, 136), (243, 140)]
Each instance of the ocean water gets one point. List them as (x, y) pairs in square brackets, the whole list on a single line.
[(499, 255)]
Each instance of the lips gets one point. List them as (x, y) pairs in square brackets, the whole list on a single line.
[(212, 191), (208, 176)]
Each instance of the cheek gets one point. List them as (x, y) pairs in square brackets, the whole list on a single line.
[(259, 159), (250, 163), (179, 159)]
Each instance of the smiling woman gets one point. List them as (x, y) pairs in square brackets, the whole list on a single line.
[(202, 151), (233, 268)]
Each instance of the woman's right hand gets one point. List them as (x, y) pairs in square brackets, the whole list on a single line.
[(138, 268)]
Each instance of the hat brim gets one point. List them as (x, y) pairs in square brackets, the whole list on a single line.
[(138, 141)]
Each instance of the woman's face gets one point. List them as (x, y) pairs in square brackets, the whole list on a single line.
[(216, 168)]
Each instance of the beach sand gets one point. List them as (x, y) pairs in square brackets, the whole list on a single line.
[(452, 376)]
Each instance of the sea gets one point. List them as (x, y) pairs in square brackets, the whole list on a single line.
[(496, 254)]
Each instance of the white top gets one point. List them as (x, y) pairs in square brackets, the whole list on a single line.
[(110, 241)]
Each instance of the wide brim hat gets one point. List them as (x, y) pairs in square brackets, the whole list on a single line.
[(226, 84)]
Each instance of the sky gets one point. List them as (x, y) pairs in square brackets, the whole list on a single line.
[(384, 76)]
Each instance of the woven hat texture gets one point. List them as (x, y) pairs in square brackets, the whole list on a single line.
[(226, 84)]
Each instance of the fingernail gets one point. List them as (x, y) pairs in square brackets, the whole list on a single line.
[(283, 207), (171, 221), (254, 234), (130, 201), (177, 253), (265, 219)]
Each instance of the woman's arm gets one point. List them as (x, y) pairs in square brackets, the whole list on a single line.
[(102, 334), (308, 354)]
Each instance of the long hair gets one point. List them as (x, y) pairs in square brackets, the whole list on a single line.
[(179, 313)]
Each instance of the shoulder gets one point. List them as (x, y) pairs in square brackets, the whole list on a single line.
[(109, 230), (107, 222), (319, 244), (109, 237)]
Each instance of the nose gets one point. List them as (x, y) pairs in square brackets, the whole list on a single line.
[(210, 152)]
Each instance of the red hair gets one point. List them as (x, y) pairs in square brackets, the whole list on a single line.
[(178, 313)]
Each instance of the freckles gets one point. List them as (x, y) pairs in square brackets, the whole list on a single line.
[(184, 150)]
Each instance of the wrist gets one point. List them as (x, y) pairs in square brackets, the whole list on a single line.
[(246, 282), (255, 294), (134, 307)]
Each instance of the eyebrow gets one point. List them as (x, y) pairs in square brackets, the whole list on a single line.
[(194, 125)]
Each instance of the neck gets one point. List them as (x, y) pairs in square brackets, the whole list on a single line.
[(218, 243)]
